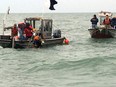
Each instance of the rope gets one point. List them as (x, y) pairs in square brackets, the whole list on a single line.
[(13, 42), (43, 9)]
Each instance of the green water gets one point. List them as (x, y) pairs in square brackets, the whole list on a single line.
[(85, 62)]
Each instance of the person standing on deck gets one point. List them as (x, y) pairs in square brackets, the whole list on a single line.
[(107, 22), (113, 22), (94, 22), (28, 31), (14, 30), (21, 30)]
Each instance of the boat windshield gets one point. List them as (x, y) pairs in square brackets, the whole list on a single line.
[(101, 20), (37, 24), (47, 26)]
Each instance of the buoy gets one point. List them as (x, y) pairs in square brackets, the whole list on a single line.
[(66, 41), (16, 38)]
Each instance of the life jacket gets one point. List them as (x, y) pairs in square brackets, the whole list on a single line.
[(107, 21), (28, 32), (36, 38), (14, 31)]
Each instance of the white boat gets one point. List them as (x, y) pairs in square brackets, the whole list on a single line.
[(101, 31)]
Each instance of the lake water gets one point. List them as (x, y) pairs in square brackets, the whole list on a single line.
[(85, 62)]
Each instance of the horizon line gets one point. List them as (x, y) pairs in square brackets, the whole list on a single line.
[(47, 12)]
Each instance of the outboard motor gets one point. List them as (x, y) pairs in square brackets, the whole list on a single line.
[(57, 34)]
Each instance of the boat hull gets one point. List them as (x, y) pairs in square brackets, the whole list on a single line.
[(102, 33), (8, 43)]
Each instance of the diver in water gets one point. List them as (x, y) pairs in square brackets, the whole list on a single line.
[(52, 3)]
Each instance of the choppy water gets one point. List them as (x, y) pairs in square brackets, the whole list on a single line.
[(85, 62)]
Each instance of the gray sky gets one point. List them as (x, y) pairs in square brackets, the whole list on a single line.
[(39, 6)]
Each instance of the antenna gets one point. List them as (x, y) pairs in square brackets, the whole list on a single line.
[(4, 19), (45, 5)]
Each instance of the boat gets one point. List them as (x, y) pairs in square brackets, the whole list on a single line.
[(101, 31), (43, 26)]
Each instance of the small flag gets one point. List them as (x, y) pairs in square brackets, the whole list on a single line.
[(52, 3), (8, 10)]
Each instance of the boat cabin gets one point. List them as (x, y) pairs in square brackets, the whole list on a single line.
[(44, 26), (103, 14)]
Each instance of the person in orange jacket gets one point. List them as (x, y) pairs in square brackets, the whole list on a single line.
[(37, 41), (107, 22)]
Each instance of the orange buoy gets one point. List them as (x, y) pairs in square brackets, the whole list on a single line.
[(16, 38), (66, 41)]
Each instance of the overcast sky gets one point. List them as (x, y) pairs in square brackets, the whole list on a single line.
[(39, 6)]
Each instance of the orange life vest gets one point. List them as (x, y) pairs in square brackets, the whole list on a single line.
[(36, 38), (107, 21)]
